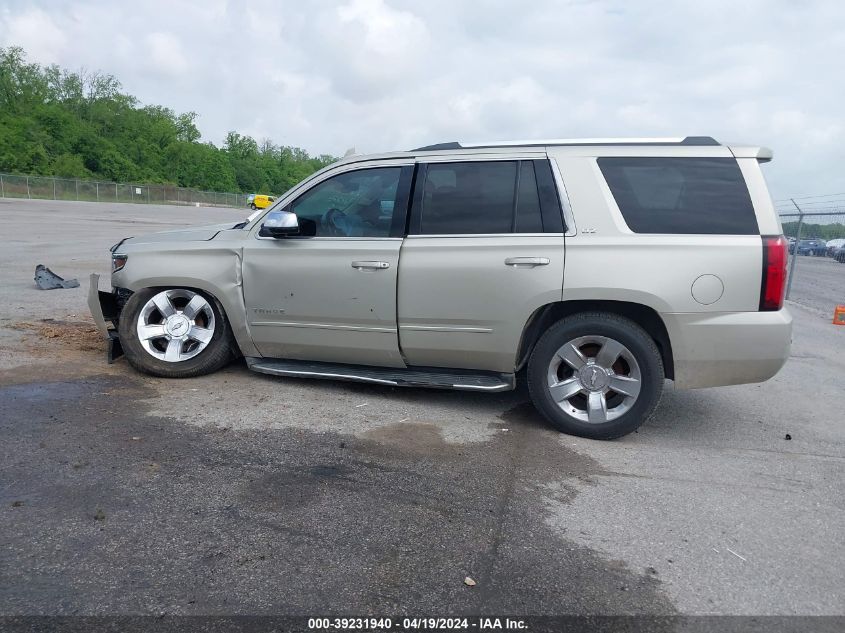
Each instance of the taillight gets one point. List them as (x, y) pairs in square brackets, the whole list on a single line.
[(773, 285)]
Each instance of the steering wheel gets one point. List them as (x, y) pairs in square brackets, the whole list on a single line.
[(329, 223)]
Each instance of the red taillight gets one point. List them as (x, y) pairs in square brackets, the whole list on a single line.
[(773, 285)]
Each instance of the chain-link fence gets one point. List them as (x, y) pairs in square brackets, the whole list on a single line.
[(50, 188), (827, 226), (816, 256)]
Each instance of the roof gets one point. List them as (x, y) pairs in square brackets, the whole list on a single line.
[(688, 140)]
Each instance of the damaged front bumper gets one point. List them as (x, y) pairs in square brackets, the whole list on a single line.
[(105, 310)]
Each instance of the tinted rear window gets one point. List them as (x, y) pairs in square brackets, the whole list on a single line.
[(469, 198), (487, 197), (681, 195)]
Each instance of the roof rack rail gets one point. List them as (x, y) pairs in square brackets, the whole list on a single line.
[(700, 140), (688, 140), (437, 146)]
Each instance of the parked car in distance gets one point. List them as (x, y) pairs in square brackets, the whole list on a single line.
[(833, 245), (259, 201), (814, 247), (444, 267)]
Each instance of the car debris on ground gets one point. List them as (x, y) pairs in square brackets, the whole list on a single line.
[(46, 279)]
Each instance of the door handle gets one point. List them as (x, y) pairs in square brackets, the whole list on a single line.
[(370, 265), (527, 261)]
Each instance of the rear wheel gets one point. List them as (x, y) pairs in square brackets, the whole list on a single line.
[(595, 375), (175, 333)]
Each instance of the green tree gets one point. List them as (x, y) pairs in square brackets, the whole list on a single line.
[(186, 129), (81, 124), (69, 166)]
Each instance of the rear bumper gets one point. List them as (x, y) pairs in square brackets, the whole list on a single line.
[(728, 348), (103, 306)]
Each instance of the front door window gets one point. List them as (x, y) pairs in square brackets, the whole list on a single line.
[(357, 203)]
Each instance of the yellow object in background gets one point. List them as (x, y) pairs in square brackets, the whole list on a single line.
[(260, 201)]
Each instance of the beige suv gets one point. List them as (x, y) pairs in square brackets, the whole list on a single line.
[(595, 268)]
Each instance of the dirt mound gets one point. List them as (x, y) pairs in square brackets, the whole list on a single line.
[(77, 334)]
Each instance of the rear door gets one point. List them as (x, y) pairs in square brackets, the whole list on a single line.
[(485, 249)]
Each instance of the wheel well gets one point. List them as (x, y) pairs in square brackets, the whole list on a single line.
[(123, 295), (647, 318)]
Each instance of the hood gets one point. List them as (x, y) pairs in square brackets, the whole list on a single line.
[(187, 234)]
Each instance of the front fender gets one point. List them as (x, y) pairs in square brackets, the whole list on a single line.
[(216, 271)]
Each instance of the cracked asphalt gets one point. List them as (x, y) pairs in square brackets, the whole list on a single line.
[(240, 493)]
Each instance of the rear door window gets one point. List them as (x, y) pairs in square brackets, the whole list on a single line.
[(468, 198), (681, 195), (486, 197)]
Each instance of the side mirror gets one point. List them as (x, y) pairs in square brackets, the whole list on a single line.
[(279, 224)]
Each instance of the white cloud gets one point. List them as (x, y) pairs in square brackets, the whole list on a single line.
[(165, 54), (36, 30), (392, 74), (369, 50)]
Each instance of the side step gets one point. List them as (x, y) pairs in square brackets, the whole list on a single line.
[(435, 378)]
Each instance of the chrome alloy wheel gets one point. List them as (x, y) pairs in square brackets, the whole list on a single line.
[(594, 379), (175, 325)]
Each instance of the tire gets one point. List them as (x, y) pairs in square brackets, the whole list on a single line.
[(587, 340), (252, 206), (196, 340)]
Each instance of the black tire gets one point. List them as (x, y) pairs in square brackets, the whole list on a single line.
[(221, 349), (252, 206), (585, 324)]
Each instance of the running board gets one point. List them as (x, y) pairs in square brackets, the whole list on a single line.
[(435, 378)]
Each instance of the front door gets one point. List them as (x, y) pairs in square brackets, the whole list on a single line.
[(329, 294)]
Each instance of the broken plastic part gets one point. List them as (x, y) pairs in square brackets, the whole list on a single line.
[(46, 279), (115, 349)]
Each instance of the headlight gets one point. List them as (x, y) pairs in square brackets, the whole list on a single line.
[(118, 262)]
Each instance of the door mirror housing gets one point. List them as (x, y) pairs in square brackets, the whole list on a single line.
[(279, 224)]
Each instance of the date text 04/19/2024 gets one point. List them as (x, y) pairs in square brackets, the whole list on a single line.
[(417, 624)]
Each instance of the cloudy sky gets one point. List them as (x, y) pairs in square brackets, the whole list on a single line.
[(395, 74)]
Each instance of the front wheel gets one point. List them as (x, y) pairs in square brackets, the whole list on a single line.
[(595, 375), (175, 333)]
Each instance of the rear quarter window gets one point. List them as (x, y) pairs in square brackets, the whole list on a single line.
[(681, 195)]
